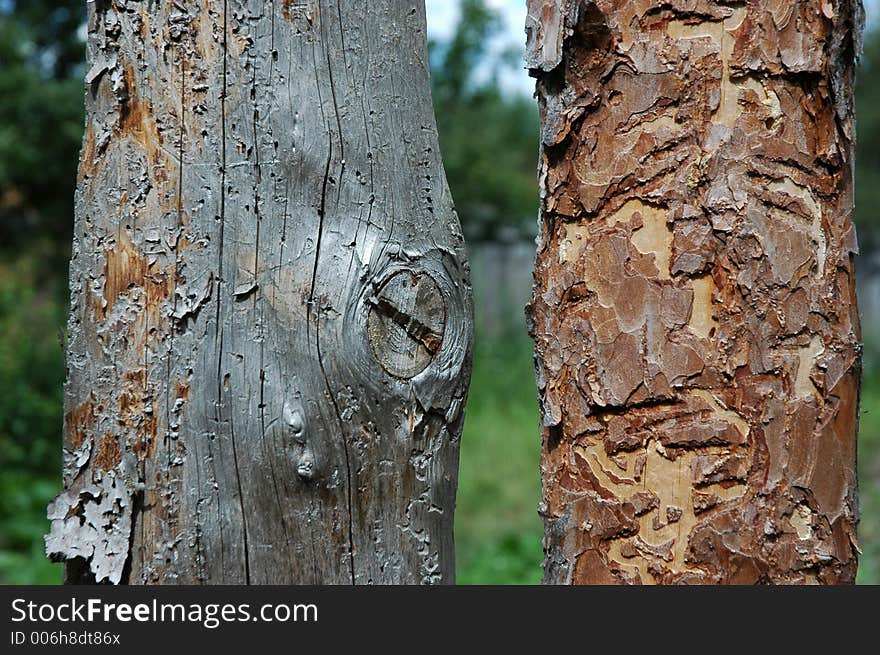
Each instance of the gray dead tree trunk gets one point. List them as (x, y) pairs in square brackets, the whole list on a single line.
[(694, 311), (270, 331)]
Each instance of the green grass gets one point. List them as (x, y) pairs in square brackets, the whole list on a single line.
[(869, 481), (497, 528), (32, 307)]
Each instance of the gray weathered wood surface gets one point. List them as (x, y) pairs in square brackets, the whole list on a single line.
[(253, 176)]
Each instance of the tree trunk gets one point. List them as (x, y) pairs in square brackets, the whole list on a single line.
[(270, 334), (694, 312)]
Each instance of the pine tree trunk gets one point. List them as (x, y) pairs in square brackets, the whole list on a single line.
[(694, 311), (270, 333)]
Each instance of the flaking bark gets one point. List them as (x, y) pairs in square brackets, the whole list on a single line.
[(694, 311), (253, 176)]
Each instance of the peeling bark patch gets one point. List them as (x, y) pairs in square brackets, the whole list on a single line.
[(695, 325), (137, 119), (653, 237), (181, 390), (125, 267), (807, 356), (109, 453), (88, 161), (78, 423), (94, 524)]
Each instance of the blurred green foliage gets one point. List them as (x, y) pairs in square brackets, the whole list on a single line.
[(31, 376), (41, 123), (868, 144), (488, 137), (489, 142)]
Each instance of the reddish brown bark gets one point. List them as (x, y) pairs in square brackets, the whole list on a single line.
[(694, 312)]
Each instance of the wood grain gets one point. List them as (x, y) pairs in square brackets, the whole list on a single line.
[(253, 174)]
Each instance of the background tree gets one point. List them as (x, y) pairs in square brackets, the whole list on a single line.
[(697, 337), (868, 145), (270, 330), (41, 122), (487, 134)]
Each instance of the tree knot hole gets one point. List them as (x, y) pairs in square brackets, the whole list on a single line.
[(406, 322)]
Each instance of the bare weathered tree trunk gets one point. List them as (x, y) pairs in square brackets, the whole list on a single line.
[(694, 313), (270, 334)]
